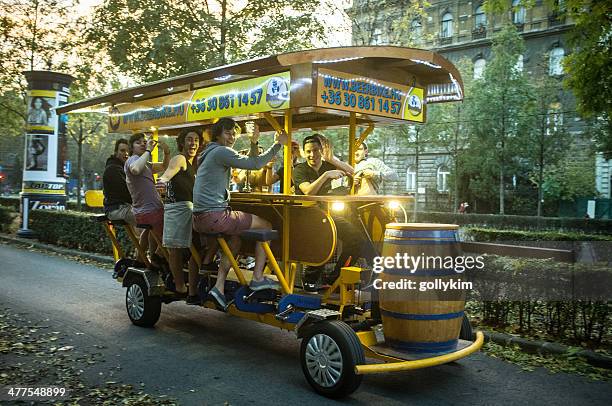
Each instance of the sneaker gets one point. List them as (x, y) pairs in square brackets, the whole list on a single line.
[(265, 283), (219, 299), (193, 300), (310, 287)]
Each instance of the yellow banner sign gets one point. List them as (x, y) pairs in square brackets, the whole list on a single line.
[(157, 112), (343, 91), (255, 95)]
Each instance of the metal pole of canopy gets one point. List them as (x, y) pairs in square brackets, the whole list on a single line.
[(155, 152), (352, 144), (288, 168)]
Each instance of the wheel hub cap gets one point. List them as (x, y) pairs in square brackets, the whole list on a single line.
[(323, 360), (135, 302)]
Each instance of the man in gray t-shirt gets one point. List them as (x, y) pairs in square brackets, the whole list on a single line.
[(211, 211)]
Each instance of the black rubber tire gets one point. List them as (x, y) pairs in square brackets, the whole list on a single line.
[(351, 354), (151, 304), (466, 329)]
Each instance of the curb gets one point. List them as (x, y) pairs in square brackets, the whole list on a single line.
[(528, 346), (544, 347), (55, 248)]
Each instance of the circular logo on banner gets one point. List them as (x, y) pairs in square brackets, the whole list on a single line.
[(277, 92), (414, 104), (114, 118)]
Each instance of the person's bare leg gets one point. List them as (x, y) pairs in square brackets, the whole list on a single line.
[(260, 254), (224, 267), (144, 241), (211, 249), (152, 244), (193, 277), (176, 267)]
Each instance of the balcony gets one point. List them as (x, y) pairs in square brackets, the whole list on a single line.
[(479, 32), (520, 27), (445, 40), (555, 18)]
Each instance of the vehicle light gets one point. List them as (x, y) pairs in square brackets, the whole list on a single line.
[(337, 206)]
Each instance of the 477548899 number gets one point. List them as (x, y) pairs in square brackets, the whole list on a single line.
[(370, 103), (33, 392)]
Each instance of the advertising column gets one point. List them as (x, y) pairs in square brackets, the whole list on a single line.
[(44, 182)]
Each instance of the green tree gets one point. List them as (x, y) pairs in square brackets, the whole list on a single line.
[(154, 39), (447, 128), (546, 140), (388, 22), (588, 67), (35, 35), (497, 112)]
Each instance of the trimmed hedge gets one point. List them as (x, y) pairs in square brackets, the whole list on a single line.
[(599, 226), (7, 214), (16, 201), (10, 202), (73, 229), (489, 234)]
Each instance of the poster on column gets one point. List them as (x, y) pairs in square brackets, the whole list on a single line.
[(41, 111), (37, 152)]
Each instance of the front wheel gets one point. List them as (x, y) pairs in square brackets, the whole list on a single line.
[(329, 352), (142, 309)]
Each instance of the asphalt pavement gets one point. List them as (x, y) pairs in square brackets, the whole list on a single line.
[(200, 356)]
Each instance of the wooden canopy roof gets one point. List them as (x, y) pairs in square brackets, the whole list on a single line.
[(438, 78)]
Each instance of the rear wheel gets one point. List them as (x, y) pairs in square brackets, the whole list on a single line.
[(329, 352), (143, 310)]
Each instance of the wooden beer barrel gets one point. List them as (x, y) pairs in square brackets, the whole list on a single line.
[(414, 320)]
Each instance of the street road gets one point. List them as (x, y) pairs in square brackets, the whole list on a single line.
[(205, 357)]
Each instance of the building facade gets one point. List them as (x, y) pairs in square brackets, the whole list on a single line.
[(460, 29)]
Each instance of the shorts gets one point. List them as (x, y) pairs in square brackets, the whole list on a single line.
[(122, 212), (178, 220), (230, 222), (153, 218)]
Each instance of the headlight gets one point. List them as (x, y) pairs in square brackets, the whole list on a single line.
[(393, 204), (337, 206)]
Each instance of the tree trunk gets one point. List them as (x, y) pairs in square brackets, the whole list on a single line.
[(223, 31), (79, 164), (456, 159), (540, 179)]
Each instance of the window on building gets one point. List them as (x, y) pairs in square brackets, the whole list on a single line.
[(518, 12), (554, 119), (518, 66), (377, 37), (447, 26), (410, 179), (480, 18), (555, 61), (479, 67), (416, 28), (442, 179)]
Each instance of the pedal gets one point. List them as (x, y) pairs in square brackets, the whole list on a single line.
[(284, 315)]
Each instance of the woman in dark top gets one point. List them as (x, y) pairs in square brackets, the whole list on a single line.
[(178, 180)]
